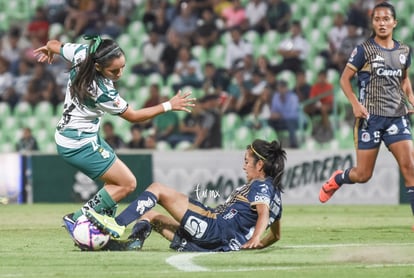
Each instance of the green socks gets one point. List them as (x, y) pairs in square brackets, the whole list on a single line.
[(101, 202)]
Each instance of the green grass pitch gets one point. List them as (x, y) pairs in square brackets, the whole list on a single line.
[(317, 241)]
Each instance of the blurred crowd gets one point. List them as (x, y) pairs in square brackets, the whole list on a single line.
[(266, 74)]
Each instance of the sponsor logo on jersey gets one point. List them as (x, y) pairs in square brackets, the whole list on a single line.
[(389, 72), (378, 58), (262, 198), (230, 214), (195, 226), (403, 59)]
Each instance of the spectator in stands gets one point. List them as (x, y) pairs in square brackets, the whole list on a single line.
[(336, 36), (258, 83), (161, 23), (113, 139), (240, 99), (166, 127), (199, 6), (236, 49), (321, 94), (262, 64), (154, 97), (294, 50), (116, 14), (27, 142), (256, 14), (42, 87), (357, 16), (354, 38), (23, 78), (261, 108), (38, 26), (7, 93), (169, 55), (278, 16), (138, 141), (188, 69), (191, 129), (215, 80), (151, 50), (210, 122), (151, 9), (12, 45), (208, 31), (56, 10), (185, 24), (219, 6), (82, 17), (235, 16), (285, 112), (302, 87)]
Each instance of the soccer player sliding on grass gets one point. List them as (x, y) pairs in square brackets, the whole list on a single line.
[(381, 110), (239, 223)]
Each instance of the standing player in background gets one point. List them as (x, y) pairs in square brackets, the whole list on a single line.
[(90, 94), (239, 223), (381, 111)]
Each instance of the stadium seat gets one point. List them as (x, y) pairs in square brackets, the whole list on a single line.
[(217, 54), (162, 146), (253, 37), (242, 137), (5, 111), (136, 29), (183, 145), (265, 133), (22, 111), (199, 53), (154, 78), (140, 95), (230, 121)]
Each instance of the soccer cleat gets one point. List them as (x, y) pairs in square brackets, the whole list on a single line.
[(105, 223), (68, 224), (329, 188), (130, 244), (141, 231)]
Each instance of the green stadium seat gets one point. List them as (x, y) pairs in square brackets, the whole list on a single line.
[(163, 146), (199, 53), (253, 37), (266, 133), (217, 55), (243, 136)]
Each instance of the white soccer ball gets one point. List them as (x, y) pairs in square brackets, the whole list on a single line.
[(88, 236)]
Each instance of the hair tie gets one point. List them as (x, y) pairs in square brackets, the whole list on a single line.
[(97, 42)]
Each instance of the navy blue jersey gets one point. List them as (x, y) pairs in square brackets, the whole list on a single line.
[(380, 73), (229, 226)]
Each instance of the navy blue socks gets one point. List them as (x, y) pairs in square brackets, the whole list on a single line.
[(410, 196), (137, 208), (343, 178)]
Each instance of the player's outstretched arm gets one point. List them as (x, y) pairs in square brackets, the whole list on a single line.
[(179, 102), (47, 52)]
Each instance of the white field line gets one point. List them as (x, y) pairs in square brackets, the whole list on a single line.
[(184, 261)]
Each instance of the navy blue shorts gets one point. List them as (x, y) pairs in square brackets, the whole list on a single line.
[(375, 129), (201, 231)]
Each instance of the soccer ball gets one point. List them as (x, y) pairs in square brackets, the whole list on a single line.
[(88, 236)]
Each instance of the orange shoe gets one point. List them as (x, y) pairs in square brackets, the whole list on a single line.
[(329, 188)]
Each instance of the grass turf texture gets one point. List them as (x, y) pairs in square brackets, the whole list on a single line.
[(317, 241)]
